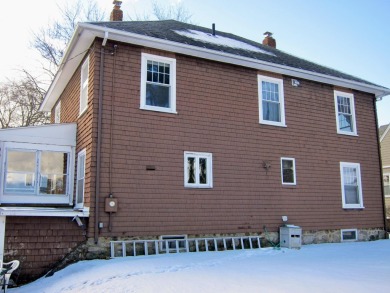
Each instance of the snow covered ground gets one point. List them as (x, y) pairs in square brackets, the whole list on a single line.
[(344, 267)]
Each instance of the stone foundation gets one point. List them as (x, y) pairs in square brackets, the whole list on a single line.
[(269, 239)]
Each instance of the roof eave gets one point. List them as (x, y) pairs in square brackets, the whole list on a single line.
[(85, 34)]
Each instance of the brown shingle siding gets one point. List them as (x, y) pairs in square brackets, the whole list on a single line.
[(218, 112)]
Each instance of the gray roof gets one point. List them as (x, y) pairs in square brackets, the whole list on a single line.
[(382, 129), (165, 30)]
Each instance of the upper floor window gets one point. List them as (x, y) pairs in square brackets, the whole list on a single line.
[(345, 113), (271, 101), (158, 83), (351, 185), (57, 113), (287, 166), (198, 170), (386, 184), (84, 86), (36, 174)]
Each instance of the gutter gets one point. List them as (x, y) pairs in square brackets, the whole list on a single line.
[(99, 138)]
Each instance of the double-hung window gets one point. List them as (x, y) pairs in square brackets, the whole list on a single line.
[(37, 174), (84, 86), (271, 101), (351, 185), (198, 170), (80, 185), (386, 184), (345, 113), (287, 166), (57, 113), (158, 83)]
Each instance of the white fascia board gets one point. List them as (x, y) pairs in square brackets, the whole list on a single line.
[(74, 54), (43, 212), (385, 133), (52, 134), (151, 42)]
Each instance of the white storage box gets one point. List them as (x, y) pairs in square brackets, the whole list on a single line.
[(290, 236)]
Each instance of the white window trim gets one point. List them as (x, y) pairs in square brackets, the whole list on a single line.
[(349, 230), (84, 84), (36, 198), (209, 158), (172, 78), (57, 113), (281, 170), (82, 153), (167, 239), (359, 181), (352, 100), (385, 174), (279, 81)]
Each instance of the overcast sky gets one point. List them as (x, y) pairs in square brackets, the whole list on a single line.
[(352, 36)]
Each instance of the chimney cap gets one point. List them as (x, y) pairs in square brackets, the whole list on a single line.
[(117, 3), (268, 34)]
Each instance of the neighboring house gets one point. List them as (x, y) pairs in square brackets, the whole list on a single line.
[(191, 132), (384, 133)]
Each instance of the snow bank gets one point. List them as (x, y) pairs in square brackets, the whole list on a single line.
[(345, 267)]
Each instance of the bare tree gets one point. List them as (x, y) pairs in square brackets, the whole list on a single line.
[(20, 101), (161, 12), (176, 12), (51, 42)]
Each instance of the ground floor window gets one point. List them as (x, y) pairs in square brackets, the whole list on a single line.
[(351, 186), (287, 166), (80, 187), (198, 170), (386, 184)]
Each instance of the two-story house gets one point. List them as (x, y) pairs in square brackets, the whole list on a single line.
[(384, 133), (166, 128)]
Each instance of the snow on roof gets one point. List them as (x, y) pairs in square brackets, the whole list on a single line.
[(220, 41)]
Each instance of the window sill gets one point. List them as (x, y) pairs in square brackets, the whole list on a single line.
[(289, 185), (158, 109), (198, 187), (82, 112), (273, 124), (347, 133), (353, 208)]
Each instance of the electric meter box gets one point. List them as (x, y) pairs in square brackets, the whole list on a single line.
[(290, 236)]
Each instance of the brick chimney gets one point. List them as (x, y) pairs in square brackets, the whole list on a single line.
[(269, 40), (116, 13)]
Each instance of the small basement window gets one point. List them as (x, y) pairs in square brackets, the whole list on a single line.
[(173, 242), (349, 235)]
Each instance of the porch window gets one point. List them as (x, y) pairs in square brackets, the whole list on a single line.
[(36, 174)]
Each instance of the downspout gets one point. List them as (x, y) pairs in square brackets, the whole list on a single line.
[(99, 138), (380, 166)]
